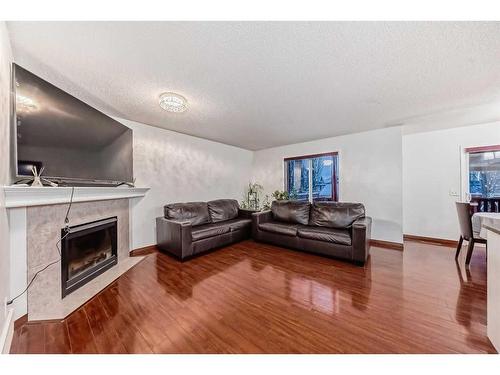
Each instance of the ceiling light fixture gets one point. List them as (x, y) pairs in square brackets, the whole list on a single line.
[(172, 102)]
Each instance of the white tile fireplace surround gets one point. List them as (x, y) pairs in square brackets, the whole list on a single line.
[(36, 217)]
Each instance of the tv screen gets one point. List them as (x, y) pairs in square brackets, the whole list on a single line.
[(72, 141)]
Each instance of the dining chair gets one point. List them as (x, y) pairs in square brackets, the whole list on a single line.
[(466, 232)]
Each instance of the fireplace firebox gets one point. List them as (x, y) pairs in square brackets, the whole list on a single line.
[(87, 251)]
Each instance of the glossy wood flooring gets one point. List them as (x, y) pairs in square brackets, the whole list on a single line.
[(255, 298)]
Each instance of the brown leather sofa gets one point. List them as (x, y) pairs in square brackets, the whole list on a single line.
[(188, 229), (339, 230)]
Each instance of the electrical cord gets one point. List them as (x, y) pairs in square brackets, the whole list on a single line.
[(66, 219), (66, 229)]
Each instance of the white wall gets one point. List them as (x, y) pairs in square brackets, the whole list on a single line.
[(370, 173), (5, 61), (180, 168), (431, 169)]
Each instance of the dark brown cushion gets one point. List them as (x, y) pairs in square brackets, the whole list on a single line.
[(194, 212), (340, 236), (335, 214), (291, 211), (280, 228), (237, 224), (223, 209), (209, 230)]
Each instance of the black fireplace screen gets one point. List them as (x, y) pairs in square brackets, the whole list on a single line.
[(87, 251)]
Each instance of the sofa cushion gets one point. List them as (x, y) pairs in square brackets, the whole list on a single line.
[(340, 236), (223, 209), (279, 228), (335, 214), (237, 224), (209, 230), (291, 211), (194, 212)]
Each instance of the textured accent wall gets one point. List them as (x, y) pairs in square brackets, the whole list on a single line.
[(5, 61), (180, 168)]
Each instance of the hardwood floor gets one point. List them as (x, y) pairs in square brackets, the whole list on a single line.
[(256, 298)]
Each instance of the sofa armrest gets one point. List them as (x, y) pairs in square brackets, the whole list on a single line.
[(361, 235), (245, 213), (259, 218), (174, 236)]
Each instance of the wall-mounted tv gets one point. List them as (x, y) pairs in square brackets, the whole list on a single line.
[(73, 142)]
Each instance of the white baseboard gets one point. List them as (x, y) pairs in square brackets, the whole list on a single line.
[(7, 332)]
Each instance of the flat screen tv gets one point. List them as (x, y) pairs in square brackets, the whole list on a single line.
[(73, 142)]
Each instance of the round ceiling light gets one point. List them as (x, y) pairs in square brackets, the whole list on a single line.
[(172, 102)]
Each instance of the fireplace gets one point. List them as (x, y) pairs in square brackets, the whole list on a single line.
[(86, 252)]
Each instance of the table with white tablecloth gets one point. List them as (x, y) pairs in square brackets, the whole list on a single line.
[(480, 219)]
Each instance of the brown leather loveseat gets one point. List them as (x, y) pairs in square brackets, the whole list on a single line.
[(192, 228), (339, 230)]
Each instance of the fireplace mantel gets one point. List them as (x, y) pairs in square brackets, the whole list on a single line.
[(24, 196)]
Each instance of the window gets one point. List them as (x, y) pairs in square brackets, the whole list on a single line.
[(484, 172), (484, 177), (312, 177)]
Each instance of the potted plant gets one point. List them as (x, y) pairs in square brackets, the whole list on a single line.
[(251, 200), (281, 195)]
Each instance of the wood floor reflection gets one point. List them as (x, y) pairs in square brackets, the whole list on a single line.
[(256, 298)]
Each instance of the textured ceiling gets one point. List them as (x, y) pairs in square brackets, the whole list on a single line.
[(263, 84)]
